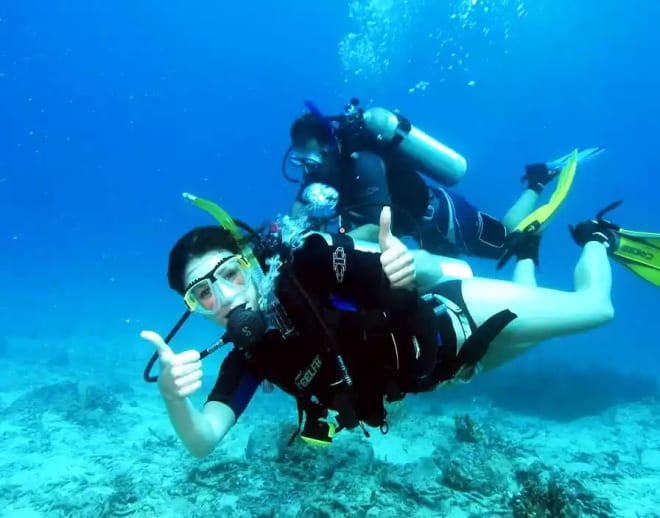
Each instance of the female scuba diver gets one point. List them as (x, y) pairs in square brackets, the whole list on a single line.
[(345, 329)]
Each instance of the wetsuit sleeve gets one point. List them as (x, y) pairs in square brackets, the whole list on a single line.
[(236, 383)]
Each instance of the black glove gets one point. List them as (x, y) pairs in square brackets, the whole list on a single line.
[(593, 230), (524, 245), (538, 176)]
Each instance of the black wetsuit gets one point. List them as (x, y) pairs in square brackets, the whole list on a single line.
[(368, 173), (391, 341)]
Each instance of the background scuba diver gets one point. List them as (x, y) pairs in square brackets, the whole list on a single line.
[(363, 160), (350, 360)]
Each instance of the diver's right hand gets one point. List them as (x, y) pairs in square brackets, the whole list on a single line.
[(180, 374), (395, 258)]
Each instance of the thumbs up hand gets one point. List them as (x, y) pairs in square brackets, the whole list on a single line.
[(397, 261), (180, 374)]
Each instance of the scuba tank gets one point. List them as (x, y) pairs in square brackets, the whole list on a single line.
[(432, 158)]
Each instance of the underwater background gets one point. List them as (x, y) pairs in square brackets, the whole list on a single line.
[(110, 110)]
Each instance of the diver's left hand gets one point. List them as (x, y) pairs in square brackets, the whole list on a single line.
[(397, 261)]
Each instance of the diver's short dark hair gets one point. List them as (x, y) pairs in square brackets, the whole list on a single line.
[(308, 127), (196, 243)]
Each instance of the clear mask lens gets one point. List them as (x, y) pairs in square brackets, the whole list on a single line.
[(220, 288), (306, 159), (310, 162)]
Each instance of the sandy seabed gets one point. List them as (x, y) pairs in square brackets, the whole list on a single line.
[(90, 448)]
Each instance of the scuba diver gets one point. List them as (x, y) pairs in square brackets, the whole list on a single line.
[(341, 328), (354, 164)]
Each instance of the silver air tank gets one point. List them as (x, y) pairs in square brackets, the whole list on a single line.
[(432, 158)]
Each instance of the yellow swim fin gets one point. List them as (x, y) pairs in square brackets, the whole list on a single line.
[(640, 253), (538, 218), (637, 251), (535, 222)]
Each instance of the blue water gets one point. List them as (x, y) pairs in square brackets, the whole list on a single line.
[(110, 110)]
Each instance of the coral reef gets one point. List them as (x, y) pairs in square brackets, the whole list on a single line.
[(78, 402), (551, 494), (465, 462), (467, 429)]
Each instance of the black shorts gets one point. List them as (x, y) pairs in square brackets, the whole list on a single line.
[(453, 226), (453, 324)]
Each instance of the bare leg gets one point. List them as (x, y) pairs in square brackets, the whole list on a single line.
[(522, 208), (543, 313), (525, 273), (367, 232)]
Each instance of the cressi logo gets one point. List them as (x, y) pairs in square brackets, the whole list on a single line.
[(637, 252)]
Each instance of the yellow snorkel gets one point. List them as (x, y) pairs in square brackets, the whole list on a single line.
[(227, 222)]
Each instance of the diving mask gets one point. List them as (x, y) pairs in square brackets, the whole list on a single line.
[(310, 161), (220, 287)]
